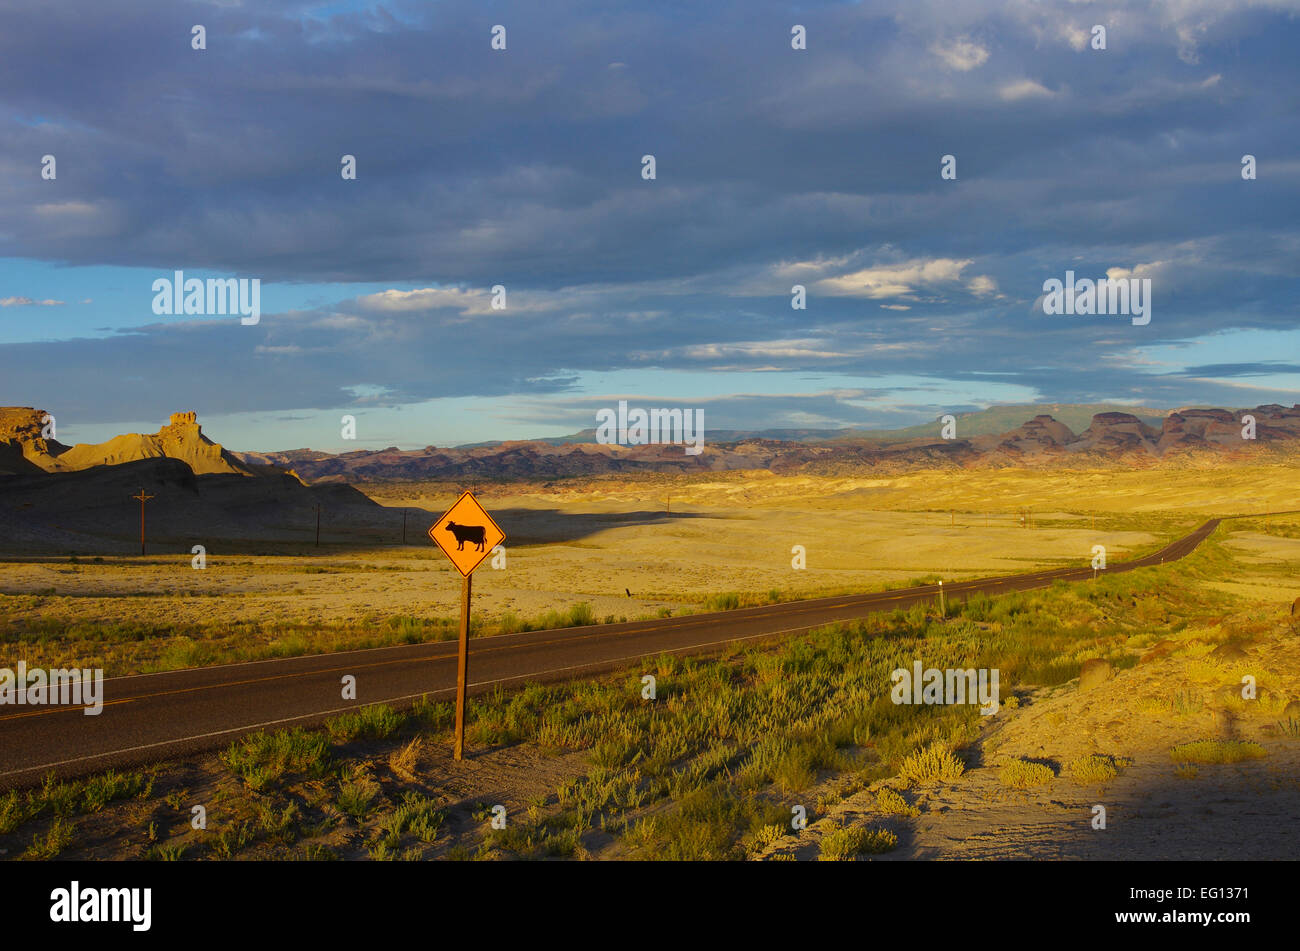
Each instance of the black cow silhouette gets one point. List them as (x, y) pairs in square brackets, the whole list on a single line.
[(468, 533)]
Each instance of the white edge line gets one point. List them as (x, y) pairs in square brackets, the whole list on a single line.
[(409, 696), (426, 693)]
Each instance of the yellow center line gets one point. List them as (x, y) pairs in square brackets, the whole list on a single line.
[(865, 600), (412, 660)]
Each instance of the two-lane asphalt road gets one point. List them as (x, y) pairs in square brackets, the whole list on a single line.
[(151, 717)]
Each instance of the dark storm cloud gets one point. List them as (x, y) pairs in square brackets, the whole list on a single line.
[(1242, 369), (523, 168)]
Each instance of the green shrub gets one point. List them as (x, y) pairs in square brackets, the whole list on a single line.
[(1095, 768), (1024, 774), (261, 758), (844, 844), (722, 602), (357, 798), (375, 722), (57, 838), (891, 803), (935, 764)]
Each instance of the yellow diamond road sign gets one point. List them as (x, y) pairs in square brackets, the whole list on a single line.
[(466, 533)]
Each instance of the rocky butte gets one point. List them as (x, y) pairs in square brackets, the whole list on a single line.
[(23, 449)]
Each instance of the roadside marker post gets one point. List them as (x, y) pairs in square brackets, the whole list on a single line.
[(466, 534), (462, 666)]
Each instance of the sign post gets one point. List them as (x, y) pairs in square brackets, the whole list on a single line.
[(466, 534), (462, 666)]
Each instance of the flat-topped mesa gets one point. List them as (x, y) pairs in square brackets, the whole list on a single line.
[(1043, 433), (1194, 427), (1276, 409), (1116, 432), (1048, 428)]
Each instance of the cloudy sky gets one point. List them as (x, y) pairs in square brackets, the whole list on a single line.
[(523, 168)]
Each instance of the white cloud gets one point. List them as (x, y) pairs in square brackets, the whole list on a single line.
[(470, 302), (1188, 36), (1075, 35), (960, 54), (1137, 271), (896, 280), (763, 348), (66, 208), (28, 302), (1024, 89)]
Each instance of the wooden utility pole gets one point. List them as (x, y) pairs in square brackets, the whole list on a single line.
[(669, 502), (943, 607), (317, 524), (462, 668), (143, 499), (403, 526)]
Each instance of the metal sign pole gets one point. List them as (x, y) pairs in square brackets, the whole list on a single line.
[(467, 535), (462, 668)]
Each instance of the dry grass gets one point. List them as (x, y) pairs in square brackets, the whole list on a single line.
[(1216, 751), (591, 542), (1025, 774), (1095, 768), (708, 771), (847, 843), (893, 804), (934, 764)]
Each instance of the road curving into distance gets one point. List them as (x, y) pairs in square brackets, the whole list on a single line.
[(152, 717)]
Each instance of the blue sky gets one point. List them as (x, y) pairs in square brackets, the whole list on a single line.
[(522, 168)]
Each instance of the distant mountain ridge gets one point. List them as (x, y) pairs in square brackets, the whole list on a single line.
[(994, 419), (82, 499), (1110, 435)]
